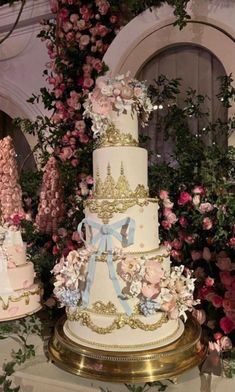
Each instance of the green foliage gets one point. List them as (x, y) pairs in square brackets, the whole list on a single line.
[(227, 92), (147, 387), (19, 331), (131, 8), (195, 161)]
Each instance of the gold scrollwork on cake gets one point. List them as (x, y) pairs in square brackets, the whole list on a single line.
[(109, 189), (119, 322), (114, 138), (25, 296), (100, 308), (105, 209)]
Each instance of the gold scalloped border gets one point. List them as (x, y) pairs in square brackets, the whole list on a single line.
[(120, 346), (114, 138), (119, 322), (25, 296), (105, 209), (159, 258)]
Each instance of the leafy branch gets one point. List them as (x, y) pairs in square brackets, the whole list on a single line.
[(19, 331)]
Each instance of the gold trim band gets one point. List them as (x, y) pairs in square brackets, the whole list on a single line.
[(120, 346), (119, 322), (25, 296)]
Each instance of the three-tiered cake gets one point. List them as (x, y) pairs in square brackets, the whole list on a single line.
[(19, 294), (120, 292)]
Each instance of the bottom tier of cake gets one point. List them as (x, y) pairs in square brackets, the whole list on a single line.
[(21, 303), (121, 332)]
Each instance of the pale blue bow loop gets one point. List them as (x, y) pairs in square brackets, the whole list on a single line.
[(104, 236)]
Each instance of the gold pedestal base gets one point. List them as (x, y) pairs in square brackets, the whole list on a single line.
[(134, 367)]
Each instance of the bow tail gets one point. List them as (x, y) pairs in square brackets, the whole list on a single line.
[(89, 281), (117, 288)]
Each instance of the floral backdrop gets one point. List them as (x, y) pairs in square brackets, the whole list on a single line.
[(196, 194)]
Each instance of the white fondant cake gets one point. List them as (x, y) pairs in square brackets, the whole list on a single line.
[(120, 292), (19, 295)]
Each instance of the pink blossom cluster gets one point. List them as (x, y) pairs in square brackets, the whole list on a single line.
[(51, 206), (169, 216), (85, 27), (10, 190), (119, 94), (170, 291), (201, 235)]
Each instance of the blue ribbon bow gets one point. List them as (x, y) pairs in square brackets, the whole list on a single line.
[(104, 236)]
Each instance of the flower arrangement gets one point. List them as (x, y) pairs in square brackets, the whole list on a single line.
[(120, 94), (199, 227), (157, 289), (70, 276)]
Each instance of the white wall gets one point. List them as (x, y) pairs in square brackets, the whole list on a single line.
[(23, 56), (22, 60)]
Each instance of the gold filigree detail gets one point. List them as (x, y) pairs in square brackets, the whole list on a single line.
[(159, 258), (114, 138), (25, 296), (101, 308), (105, 209), (119, 322), (108, 189), (126, 346)]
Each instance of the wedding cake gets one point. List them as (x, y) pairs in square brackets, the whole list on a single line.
[(119, 290), (19, 295)]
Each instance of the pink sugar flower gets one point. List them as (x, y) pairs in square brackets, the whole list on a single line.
[(130, 266), (150, 290), (163, 195), (153, 272)]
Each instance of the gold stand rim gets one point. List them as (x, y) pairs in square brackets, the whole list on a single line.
[(136, 366)]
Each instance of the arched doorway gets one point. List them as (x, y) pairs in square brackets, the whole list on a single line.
[(198, 69)]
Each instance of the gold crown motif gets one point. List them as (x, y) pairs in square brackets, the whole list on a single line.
[(113, 138), (108, 189)]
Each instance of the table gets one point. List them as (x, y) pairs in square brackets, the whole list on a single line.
[(39, 375)]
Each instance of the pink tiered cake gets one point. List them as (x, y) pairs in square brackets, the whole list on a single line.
[(120, 292), (19, 295)]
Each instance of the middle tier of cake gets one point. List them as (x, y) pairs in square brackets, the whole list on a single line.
[(144, 212)]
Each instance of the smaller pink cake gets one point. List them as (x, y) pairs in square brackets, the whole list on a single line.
[(19, 295)]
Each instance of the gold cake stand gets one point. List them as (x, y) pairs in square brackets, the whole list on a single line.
[(136, 367)]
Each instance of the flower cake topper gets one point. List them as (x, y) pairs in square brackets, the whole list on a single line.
[(119, 94)]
